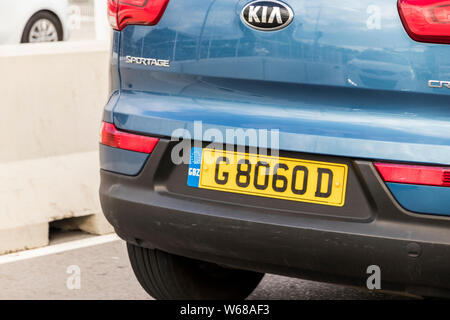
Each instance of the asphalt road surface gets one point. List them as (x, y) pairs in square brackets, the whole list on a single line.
[(105, 273)]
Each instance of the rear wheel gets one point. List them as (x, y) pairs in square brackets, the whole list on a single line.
[(42, 27), (170, 277)]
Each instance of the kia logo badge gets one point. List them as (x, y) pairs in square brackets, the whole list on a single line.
[(267, 15)]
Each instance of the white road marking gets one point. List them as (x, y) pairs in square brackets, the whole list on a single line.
[(57, 248)]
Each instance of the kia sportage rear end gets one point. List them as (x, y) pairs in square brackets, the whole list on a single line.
[(308, 139)]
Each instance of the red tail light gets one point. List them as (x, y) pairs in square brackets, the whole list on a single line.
[(112, 137), (411, 174), (128, 12), (426, 20)]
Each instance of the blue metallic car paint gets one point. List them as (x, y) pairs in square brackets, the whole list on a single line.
[(124, 161), (114, 79), (422, 199), (309, 122), (339, 80), (327, 82), (326, 44)]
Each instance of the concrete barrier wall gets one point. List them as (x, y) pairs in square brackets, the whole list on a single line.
[(52, 97)]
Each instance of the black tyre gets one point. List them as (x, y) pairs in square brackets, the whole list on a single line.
[(169, 277), (43, 26)]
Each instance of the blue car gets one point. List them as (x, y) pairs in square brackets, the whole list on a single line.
[(303, 138)]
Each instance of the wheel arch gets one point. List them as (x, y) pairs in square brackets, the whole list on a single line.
[(49, 11)]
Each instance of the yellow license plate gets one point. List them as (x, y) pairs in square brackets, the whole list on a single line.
[(268, 176)]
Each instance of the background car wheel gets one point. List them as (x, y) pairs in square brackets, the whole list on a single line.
[(170, 277), (42, 27)]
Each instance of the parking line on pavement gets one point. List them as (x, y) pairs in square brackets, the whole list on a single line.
[(57, 248)]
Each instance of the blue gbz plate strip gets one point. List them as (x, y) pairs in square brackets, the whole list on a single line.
[(195, 165)]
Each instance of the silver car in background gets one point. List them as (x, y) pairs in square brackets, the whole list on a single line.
[(30, 21)]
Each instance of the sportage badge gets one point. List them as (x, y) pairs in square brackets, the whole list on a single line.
[(267, 15)]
